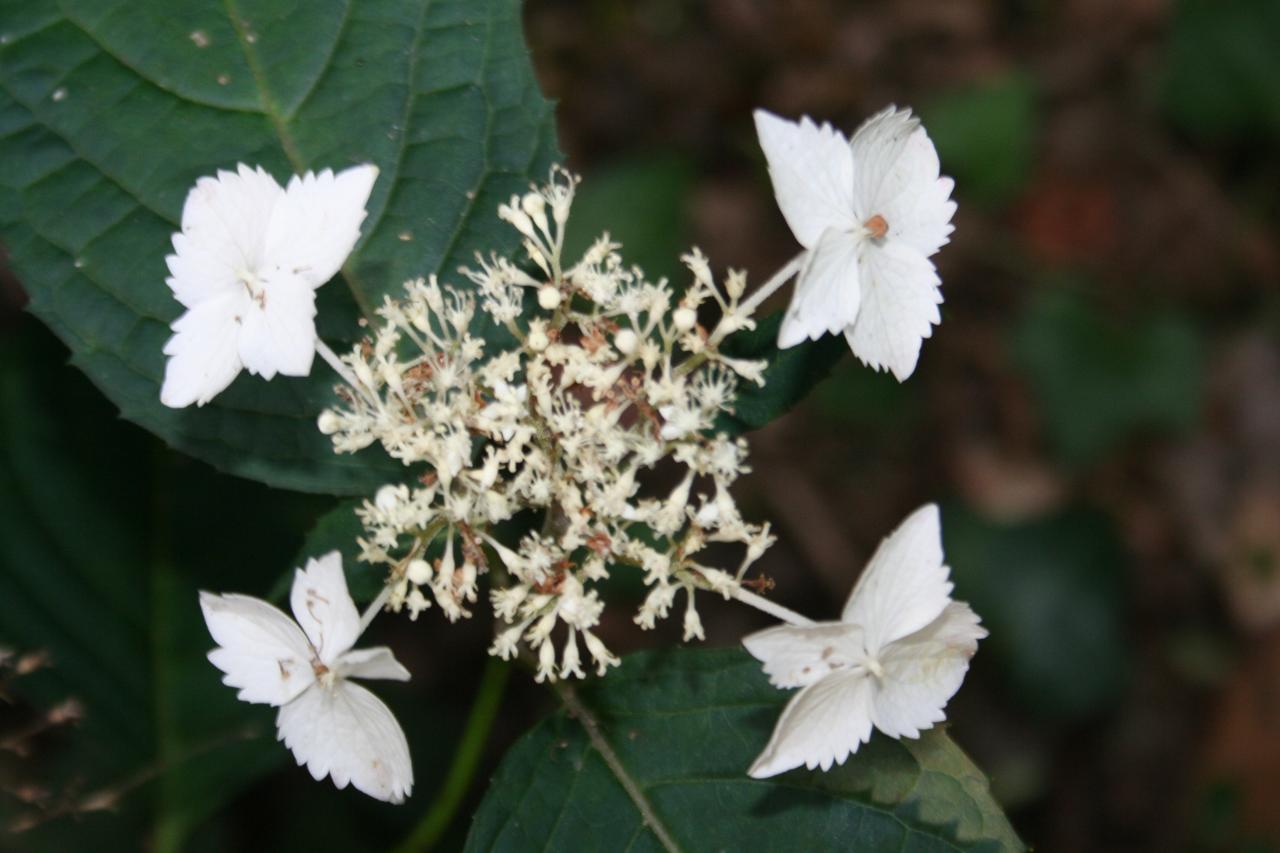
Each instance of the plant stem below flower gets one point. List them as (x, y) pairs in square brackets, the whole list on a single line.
[(484, 710)]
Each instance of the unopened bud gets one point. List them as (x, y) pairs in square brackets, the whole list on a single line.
[(386, 498), (549, 297), (534, 207), (329, 422), (626, 341), (685, 319), (418, 572)]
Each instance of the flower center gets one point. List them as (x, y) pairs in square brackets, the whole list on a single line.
[(254, 286), (877, 226), (324, 675)]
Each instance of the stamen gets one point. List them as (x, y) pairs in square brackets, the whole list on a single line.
[(877, 226)]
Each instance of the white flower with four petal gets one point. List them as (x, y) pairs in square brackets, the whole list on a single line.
[(869, 211), (246, 266), (333, 726), (898, 653)]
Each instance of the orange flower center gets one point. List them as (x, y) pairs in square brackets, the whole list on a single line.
[(877, 226)]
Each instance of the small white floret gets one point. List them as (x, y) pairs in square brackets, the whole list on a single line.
[(246, 266), (332, 725), (870, 211), (898, 654)]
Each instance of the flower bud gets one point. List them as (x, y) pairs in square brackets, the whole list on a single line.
[(549, 297), (626, 341), (685, 319), (364, 373), (418, 572), (546, 662), (329, 422), (692, 623), (534, 206), (601, 655), (386, 498)]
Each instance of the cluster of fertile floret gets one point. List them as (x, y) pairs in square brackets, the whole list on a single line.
[(611, 375)]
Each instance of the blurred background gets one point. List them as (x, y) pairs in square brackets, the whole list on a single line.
[(1099, 415)]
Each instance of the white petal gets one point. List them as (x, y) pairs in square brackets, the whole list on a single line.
[(324, 608), (879, 168), (377, 662), (921, 219), (897, 176), (348, 734), (203, 353), (924, 670), (827, 292), (261, 650), (279, 334), (224, 223), (905, 586), (317, 223), (811, 167), (900, 298), (821, 725), (200, 270), (795, 656)]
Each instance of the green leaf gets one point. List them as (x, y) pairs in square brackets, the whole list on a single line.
[(642, 203), (856, 397), (791, 374), (985, 137), (1051, 591), (658, 750), (110, 109), (1098, 380), (1223, 77), (336, 530), (96, 553)]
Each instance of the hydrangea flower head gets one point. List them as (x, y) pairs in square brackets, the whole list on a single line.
[(606, 375)]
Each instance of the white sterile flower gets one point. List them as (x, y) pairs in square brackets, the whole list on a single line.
[(333, 726), (247, 262), (870, 211), (898, 653)]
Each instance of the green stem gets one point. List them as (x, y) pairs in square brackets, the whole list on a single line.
[(484, 710), (169, 829)]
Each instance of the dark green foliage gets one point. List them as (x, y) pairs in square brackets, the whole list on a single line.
[(685, 724)]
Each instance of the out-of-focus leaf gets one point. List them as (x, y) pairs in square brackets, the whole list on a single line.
[(791, 374), (985, 136), (110, 109), (1098, 381), (1223, 76), (98, 540), (1051, 593), (684, 725), (855, 396), (336, 530), (642, 204)]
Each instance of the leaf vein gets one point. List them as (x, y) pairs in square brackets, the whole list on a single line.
[(70, 18), (587, 720)]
